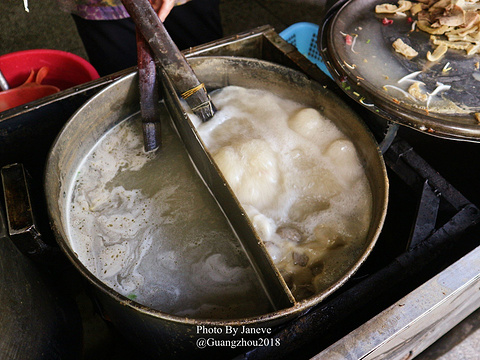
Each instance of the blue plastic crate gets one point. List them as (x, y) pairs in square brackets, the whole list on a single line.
[(303, 36)]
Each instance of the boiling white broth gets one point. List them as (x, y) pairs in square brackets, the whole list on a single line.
[(298, 177)]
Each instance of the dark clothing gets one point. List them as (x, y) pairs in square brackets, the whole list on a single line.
[(111, 44)]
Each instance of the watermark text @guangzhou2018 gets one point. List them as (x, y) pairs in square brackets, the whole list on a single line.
[(233, 331)]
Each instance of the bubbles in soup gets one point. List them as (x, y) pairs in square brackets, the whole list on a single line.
[(251, 169), (145, 225), (299, 179)]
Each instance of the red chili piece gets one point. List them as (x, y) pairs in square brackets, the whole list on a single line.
[(409, 20), (348, 39), (386, 21)]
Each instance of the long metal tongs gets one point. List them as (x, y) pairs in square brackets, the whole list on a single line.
[(170, 58), (147, 83)]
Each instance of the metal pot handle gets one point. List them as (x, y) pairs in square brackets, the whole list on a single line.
[(21, 225)]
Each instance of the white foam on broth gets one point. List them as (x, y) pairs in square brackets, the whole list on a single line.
[(298, 177)]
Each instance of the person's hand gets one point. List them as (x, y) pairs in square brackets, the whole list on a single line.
[(163, 7)]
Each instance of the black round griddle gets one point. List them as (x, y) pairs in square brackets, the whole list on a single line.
[(368, 69)]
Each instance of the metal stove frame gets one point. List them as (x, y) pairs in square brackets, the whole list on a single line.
[(381, 313)]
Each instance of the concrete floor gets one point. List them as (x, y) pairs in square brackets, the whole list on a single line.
[(45, 26)]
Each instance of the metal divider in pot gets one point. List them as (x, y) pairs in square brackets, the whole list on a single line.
[(220, 72), (272, 281)]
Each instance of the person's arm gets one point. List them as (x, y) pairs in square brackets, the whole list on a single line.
[(163, 7)]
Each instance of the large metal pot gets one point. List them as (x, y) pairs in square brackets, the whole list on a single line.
[(162, 333)]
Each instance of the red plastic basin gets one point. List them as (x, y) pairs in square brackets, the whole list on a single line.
[(65, 69)]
